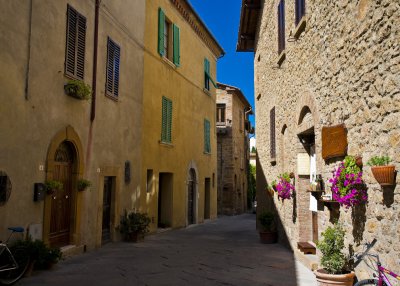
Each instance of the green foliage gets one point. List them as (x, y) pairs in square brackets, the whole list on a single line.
[(39, 252), (253, 149), (83, 184), (78, 89), (134, 222), (379, 161), (331, 246), (267, 220), (53, 185)]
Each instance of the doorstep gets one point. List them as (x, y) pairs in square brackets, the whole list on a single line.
[(308, 260), (72, 250)]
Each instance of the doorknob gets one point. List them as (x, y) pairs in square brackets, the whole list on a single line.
[(66, 196)]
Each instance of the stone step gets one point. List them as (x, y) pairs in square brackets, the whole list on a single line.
[(306, 247), (308, 260), (71, 250)]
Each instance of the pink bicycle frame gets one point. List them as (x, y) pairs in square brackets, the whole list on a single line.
[(383, 278)]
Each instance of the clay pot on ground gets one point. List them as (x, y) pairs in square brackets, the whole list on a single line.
[(268, 237), (384, 175), (325, 279)]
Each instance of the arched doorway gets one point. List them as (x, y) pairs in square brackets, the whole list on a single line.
[(191, 203), (62, 209), (60, 221)]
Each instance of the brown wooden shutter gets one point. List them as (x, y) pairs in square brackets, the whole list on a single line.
[(272, 133), (75, 44)]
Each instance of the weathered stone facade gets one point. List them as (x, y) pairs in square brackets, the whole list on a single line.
[(233, 149), (343, 68)]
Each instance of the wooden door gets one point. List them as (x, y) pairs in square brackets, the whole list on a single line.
[(60, 222), (107, 201), (191, 197)]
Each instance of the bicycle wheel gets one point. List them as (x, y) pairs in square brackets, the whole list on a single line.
[(22, 258), (372, 281)]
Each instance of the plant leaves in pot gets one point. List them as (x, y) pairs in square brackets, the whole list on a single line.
[(134, 225), (382, 171), (268, 233)]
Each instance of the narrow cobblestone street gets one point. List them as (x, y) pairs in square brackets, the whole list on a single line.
[(225, 251)]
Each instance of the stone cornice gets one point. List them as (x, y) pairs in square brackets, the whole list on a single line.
[(191, 17)]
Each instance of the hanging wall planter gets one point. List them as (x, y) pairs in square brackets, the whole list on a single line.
[(78, 89), (383, 173)]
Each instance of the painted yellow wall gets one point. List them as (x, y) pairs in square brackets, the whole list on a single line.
[(29, 124), (191, 105)]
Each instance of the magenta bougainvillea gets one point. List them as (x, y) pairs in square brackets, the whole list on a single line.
[(284, 187), (348, 187)]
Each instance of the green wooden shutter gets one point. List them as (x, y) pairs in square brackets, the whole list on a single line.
[(166, 127), (207, 143), (161, 23), (176, 36), (169, 122), (207, 75)]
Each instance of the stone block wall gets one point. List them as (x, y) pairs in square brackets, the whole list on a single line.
[(344, 68)]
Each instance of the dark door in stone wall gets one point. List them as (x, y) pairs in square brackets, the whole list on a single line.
[(60, 222), (107, 201), (191, 196)]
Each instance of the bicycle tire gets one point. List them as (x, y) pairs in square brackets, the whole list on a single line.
[(372, 281), (22, 258)]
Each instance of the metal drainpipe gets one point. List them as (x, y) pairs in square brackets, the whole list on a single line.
[(29, 52), (95, 44)]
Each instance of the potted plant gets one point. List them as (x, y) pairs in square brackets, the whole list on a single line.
[(134, 225), (268, 234), (284, 187), (83, 184), (45, 257), (52, 186), (78, 89), (333, 261), (348, 188), (382, 171)]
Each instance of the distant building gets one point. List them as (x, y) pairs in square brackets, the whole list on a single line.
[(253, 151), (179, 162), (233, 129), (326, 85)]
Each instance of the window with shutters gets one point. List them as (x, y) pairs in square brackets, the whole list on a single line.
[(281, 26), (272, 134), (221, 107), (300, 7), (168, 38), (207, 139), (75, 44), (166, 113), (112, 76)]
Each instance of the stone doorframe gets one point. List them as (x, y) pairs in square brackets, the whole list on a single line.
[(307, 124), (192, 165), (66, 134)]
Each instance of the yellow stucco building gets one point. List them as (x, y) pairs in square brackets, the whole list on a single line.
[(179, 137)]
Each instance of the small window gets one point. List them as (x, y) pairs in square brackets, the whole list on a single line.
[(168, 38), (149, 185), (113, 60), (75, 44), (300, 10), (207, 140), (281, 26), (207, 74), (221, 113), (272, 134), (166, 128), (5, 188)]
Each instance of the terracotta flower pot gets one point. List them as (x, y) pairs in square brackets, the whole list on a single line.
[(359, 161), (325, 279), (268, 237), (384, 174), (134, 236)]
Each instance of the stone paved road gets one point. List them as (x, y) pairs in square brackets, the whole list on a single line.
[(225, 251)]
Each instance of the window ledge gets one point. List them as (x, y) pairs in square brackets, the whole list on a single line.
[(207, 153), (112, 97), (301, 26), (206, 91), (281, 58), (167, 61), (166, 144)]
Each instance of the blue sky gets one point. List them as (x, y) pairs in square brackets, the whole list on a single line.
[(234, 68)]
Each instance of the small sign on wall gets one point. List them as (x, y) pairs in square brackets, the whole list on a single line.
[(334, 141), (303, 164)]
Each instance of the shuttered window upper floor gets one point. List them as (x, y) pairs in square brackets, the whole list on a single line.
[(75, 44)]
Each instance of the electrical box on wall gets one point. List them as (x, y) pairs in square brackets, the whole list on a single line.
[(39, 192), (303, 164)]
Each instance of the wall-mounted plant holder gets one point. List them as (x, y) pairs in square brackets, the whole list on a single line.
[(384, 175), (39, 192), (330, 204)]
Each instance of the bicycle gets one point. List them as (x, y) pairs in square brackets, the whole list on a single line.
[(382, 279), (14, 261)]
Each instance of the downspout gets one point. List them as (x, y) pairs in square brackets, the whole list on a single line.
[(94, 82), (29, 53)]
